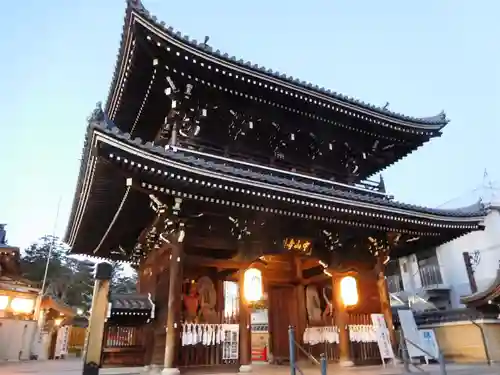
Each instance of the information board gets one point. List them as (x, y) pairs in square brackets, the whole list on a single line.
[(411, 333), (429, 342), (383, 337)]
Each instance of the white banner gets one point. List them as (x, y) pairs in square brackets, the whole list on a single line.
[(383, 336), (61, 348), (411, 333)]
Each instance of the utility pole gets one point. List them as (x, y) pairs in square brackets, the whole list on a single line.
[(38, 314)]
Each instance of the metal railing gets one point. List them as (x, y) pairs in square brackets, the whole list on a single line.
[(430, 275), (394, 283), (406, 357), (293, 344)]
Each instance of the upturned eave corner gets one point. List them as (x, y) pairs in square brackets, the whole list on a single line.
[(131, 6), (432, 123), (484, 297), (97, 116)]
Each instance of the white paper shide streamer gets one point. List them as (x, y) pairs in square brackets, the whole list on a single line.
[(212, 334)]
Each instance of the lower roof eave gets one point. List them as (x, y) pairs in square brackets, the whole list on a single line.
[(172, 157), (312, 194)]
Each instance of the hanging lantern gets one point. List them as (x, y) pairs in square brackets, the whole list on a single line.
[(252, 285), (349, 291)]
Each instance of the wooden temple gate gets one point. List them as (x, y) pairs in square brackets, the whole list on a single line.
[(210, 311), (125, 337), (202, 167)]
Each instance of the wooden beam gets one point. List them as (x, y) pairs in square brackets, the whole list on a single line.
[(194, 260), (210, 242), (317, 279), (297, 267)]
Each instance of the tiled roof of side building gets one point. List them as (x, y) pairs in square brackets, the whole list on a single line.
[(135, 6), (236, 170), (131, 301), (492, 292)]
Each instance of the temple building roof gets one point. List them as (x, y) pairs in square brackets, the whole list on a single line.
[(137, 14), (105, 197), (131, 308), (485, 298), (241, 146), (131, 303), (314, 127), (301, 185)]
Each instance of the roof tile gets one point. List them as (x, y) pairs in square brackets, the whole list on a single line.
[(312, 186), (137, 7)]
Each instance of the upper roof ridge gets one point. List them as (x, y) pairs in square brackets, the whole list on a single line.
[(436, 122)]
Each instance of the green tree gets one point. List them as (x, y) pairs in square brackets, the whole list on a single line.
[(123, 280), (80, 288), (34, 260), (68, 278)]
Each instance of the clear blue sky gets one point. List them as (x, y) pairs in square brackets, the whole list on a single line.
[(421, 56)]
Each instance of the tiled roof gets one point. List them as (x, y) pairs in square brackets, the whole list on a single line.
[(438, 121), (132, 301), (254, 174), (492, 292)]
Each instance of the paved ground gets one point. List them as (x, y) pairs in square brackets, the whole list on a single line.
[(74, 366)]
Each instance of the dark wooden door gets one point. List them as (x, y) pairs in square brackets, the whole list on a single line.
[(282, 314)]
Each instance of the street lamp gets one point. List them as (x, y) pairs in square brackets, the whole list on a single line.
[(58, 321)]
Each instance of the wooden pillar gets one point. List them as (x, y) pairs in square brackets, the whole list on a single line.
[(245, 322), (95, 333), (146, 283), (385, 301), (300, 297), (342, 322), (173, 326)]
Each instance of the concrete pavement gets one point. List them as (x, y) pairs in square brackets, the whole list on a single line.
[(74, 367)]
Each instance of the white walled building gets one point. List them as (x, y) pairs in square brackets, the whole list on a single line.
[(440, 274)]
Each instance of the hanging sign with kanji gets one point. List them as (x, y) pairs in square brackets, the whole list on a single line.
[(300, 245)]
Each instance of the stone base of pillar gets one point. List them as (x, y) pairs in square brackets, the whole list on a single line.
[(245, 368), (152, 370), (170, 371), (346, 363)]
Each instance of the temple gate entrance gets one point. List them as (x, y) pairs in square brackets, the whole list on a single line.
[(220, 167), (282, 313)]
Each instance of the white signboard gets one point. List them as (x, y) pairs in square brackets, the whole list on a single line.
[(62, 342), (429, 342), (383, 337), (230, 348), (411, 333)]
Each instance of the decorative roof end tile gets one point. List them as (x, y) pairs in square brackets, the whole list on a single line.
[(136, 5), (97, 114)]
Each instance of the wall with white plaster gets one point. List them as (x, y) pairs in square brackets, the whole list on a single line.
[(451, 261), (450, 257)]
